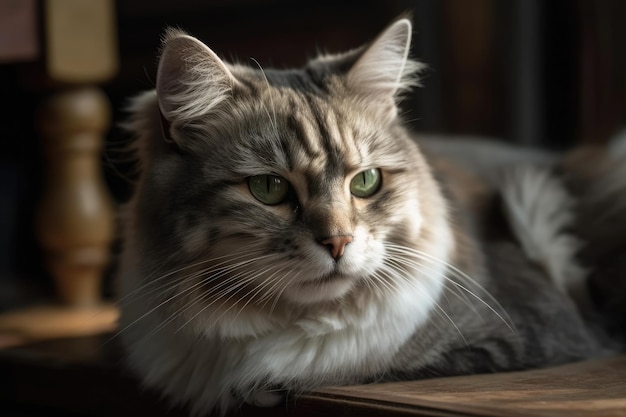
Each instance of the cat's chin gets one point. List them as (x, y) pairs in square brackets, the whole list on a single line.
[(325, 288)]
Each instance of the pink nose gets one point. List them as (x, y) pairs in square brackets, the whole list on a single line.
[(337, 244)]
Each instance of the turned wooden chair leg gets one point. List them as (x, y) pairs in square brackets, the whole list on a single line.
[(75, 222)]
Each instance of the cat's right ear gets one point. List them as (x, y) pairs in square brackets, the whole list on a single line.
[(192, 81)]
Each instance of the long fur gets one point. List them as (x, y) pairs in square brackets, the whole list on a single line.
[(541, 213), (445, 271)]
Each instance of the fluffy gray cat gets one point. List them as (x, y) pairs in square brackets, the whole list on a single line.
[(288, 232)]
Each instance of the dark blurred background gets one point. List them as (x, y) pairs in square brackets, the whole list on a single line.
[(547, 74)]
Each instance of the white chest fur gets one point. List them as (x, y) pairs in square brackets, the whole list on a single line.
[(334, 348)]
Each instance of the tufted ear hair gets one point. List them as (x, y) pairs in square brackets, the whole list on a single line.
[(384, 68), (192, 80)]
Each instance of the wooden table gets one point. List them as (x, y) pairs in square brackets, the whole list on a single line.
[(85, 376)]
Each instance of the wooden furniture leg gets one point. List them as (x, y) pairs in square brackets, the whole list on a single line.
[(70, 47), (75, 218)]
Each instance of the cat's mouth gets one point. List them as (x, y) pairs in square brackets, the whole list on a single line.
[(333, 276), (330, 278), (321, 288)]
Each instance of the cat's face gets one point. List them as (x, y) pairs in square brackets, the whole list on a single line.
[(312, 192), (284, 188)]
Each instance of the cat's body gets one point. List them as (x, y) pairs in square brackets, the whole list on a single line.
[(287, 232)]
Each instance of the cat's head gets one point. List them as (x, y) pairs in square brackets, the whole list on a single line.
[(283, 187)]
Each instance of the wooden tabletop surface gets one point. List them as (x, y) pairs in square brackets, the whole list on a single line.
[(85, 376), (593, 388)]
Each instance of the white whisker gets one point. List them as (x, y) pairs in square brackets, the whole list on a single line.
[(148, 281), (409, 252), (461, 295), (207, 295), (406, 276), (269, 89), (222, 272), (242, 279)]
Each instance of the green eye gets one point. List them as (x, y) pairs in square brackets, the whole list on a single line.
[(268, 189), (365, 183)]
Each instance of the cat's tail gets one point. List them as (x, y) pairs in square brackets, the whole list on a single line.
[(541, 212), (596, 177)]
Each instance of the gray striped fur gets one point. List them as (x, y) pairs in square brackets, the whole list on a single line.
[(225, 298)]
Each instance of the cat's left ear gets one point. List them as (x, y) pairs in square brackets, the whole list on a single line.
[(384, 70)]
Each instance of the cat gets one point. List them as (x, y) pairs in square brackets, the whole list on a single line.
[(287, 232)]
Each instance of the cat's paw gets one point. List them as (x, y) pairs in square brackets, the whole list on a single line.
[(319, 326), (266, 399)]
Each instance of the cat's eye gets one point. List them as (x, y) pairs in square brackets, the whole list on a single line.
[(268, 189), (365, 183)]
